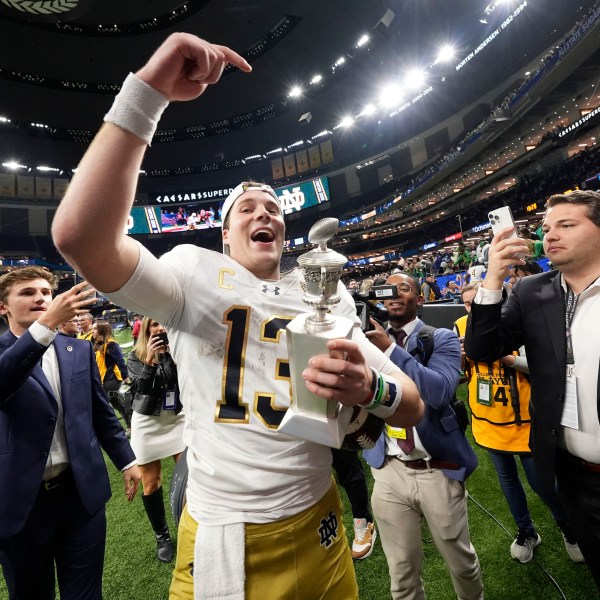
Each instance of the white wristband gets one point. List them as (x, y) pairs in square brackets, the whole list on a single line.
[(392, 394), (137, 108)]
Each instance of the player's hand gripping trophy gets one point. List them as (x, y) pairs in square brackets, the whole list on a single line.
[(311, 417)]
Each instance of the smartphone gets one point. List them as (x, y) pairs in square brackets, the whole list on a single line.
[(163, 336), (501, 218)]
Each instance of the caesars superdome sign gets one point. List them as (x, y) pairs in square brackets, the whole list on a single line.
[(193, 196)]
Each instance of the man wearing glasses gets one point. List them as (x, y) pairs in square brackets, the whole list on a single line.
[(420, 472), (69, 328)]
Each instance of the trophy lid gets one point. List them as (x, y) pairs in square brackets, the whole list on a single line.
[(320, 233)]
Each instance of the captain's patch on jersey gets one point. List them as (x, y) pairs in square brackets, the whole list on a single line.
[(328, 529), (271, 290)]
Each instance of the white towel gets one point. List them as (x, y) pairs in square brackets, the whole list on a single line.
[(219, 555)]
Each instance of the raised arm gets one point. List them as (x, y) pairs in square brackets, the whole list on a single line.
[(494, 330), (89, 225)]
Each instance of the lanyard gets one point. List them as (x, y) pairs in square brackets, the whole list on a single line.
[(572, 300)]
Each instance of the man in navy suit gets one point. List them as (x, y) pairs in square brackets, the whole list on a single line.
[(54, 421), (420, 472)]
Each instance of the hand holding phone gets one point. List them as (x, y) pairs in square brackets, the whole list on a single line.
[(500, 219), (163, 337), (505, 252)]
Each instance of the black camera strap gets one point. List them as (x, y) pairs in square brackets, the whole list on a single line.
[(424, 349)]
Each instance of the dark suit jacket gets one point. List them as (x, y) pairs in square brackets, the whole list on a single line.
[(28, 412), (439, 430), (533, 315)]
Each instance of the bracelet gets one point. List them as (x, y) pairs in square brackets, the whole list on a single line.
[(389, 397), (374, 382), (371, 399), (381, 392), (54, 331), (373, 391), (137, 108)]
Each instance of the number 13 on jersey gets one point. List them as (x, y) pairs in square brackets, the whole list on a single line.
[(234, 404)]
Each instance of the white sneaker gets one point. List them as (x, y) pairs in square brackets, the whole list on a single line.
[(573, 551), (365, 535), (524, 545)]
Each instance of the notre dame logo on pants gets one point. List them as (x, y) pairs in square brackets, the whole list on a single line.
[(306, 556)]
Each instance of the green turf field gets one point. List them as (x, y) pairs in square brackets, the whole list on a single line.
[(124, 338), (133, 573)]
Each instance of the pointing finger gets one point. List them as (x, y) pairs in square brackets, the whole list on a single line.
[(234, 58)]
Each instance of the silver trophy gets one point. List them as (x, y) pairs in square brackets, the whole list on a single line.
[(311, 417)]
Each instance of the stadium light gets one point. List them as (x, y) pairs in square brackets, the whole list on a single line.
[(362, 40), (446, 53), (295, 92), (391, 95), (13, 166), (346, 122), (369, 109), (415, 78)]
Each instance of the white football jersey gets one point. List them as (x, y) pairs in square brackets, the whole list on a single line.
[(227, 336)]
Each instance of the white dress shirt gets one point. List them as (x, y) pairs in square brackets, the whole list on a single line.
[(392, 448), (58, 457), (585, 332)]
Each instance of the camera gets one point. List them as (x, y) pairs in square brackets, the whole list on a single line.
[(163, 337), (367, 310)]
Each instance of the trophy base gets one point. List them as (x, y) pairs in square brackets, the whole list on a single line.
[(321, 430), (311, 417)]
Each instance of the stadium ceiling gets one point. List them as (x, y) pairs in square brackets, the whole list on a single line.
[(63, 60)]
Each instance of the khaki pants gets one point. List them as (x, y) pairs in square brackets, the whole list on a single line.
[(401, 498)]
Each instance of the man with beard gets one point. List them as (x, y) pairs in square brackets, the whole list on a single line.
[(419, 472)]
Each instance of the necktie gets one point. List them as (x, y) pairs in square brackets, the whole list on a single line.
[(407, 445), (399, 335)]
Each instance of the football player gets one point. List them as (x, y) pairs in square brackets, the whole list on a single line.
[(262, 510)]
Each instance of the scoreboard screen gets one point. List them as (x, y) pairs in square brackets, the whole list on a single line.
[(206, 215)]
